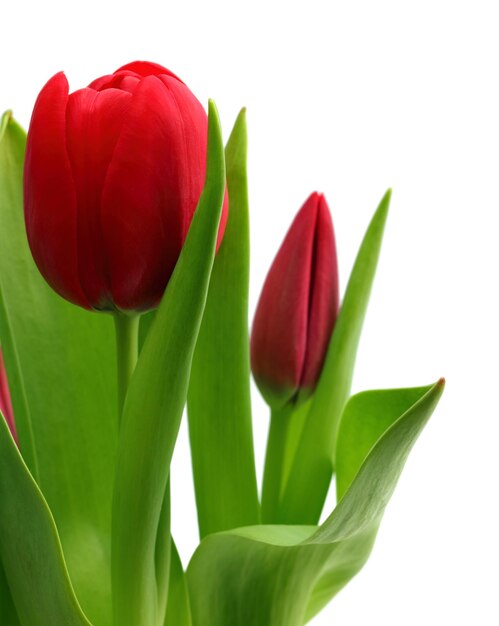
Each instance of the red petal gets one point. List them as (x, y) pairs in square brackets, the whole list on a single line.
[(279, 335), (123, 81), (94, 122), (127, 83), (146, 68), (49, 195), (5, 401), (101, 83), (324, 296), (152, 188)]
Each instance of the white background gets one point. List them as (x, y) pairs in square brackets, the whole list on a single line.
[(349, 98)]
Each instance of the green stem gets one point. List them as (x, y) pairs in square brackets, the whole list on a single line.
[(127, 351), (274, 464)]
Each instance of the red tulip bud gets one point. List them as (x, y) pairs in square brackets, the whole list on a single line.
[(113, 173), (297, 309), (5, 401)]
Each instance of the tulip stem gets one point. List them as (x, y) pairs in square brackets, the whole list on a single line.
[(274, 464), (127, 352)]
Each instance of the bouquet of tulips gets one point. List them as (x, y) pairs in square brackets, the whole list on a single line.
[(123, 207)]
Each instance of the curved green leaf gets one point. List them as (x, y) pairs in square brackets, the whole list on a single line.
[(312, 468), (366, 417), (219, 406), (61, 368), (30, 548), (282, 575), (155, 401)]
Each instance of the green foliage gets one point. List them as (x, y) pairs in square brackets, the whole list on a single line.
[(61, 368), (219, 404), (30, 548), (283, 575), (57, 525), (154, 404), (8, 613), (178, 612)]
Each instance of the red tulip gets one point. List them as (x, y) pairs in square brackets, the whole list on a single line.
[(5, 401), (297, 309), (112, 177)]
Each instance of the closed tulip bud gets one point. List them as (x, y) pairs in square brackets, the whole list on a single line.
[(297, 309), (113, 174)]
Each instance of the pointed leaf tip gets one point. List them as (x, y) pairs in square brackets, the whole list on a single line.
[(212, 108), (384, 205), (242, 115), (4, 121), (239, 125)]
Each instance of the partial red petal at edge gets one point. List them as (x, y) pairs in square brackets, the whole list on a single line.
[(5, 401)]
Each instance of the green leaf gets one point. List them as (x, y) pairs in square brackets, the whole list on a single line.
[(61, 369), (163, 556), (366, 417), (8, 613), (312, 468), (146, 320), (179, 610), (30, 548), (219, 406), (155, 401), (282, 575)]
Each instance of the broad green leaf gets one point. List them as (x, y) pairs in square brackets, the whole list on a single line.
[(155, 401), (312, 468), (8, 613), (219, 406), (179, 610), (30, 548), (282, 575), (61, 368)]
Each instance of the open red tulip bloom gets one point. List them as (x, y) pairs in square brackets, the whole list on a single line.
[(112, 177), (297, 308)]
